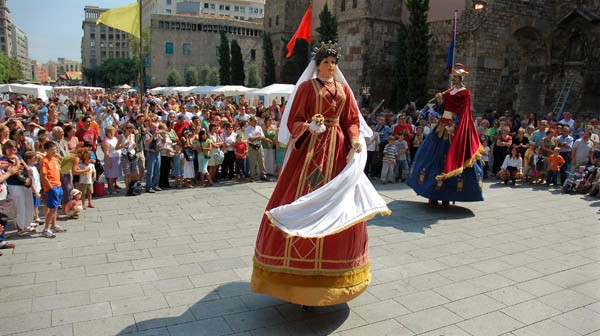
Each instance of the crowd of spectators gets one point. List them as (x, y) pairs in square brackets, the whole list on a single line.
[(60, 153)]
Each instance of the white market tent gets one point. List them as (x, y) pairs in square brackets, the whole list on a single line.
[(36, 91), (231, 90), (203, 90), (271, 92), (160, 89)]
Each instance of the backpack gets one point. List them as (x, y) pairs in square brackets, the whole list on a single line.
[(135, 188)]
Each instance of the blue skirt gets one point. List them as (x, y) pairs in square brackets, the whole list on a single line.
[(429, 162)]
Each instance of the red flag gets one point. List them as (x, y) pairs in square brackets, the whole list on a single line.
[(303, 32)]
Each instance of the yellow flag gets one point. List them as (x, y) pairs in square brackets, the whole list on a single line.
[(125, 18)]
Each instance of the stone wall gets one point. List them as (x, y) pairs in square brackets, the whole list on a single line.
[(202, 35)]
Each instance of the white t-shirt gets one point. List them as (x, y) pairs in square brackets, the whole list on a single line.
[(35, 179), (86, 178)]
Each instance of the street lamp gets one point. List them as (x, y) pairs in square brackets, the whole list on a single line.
[(479, 5)]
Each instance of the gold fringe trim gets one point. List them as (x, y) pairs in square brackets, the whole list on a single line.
[(368, 216), (467, 164), (312, 277)]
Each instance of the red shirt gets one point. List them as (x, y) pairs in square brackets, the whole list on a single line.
[(178, 127), (240, 147), (89, 136)]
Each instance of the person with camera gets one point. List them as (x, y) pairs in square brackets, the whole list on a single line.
[(154, 140), (129, 156), (19, 187), (256, 156)]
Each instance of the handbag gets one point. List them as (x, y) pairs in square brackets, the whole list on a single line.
[(218, 155), (188, 153)]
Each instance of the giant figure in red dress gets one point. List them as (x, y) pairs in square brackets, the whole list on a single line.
[(326, 263)]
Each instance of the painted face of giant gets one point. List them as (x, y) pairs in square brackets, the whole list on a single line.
[(327, 67)]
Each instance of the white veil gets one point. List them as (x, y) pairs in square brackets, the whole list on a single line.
[(346, 200)]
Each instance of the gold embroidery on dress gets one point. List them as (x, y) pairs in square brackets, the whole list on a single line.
[(459, 184)]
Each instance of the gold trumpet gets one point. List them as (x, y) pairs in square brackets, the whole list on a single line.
[(433, 99)]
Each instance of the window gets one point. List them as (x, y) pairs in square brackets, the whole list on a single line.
[(221, 7), (277, 20), (103, 36), (243, 9), (227, 8), (206, 5), (110, 45), (212, 6), (167, 11), (168, 2), (187, 49), (92, 44), (236, 8), (102, 45), (253, 54), (92, 36), (270, 22), (354, 3), (343, 8), (169, 48)]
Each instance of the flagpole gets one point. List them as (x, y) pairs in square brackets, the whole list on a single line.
[(455, 27), (141, 53)]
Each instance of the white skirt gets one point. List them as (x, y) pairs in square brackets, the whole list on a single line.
[(188, 170)]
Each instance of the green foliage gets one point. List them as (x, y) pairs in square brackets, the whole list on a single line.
[(253, 78), (10, 69), (269, 59), (116, 71), (212, 78), (417, 50), (237, 64), (400, 66), (191, 76), (203, 75), (224, 60), (328, 29), (173, 78)]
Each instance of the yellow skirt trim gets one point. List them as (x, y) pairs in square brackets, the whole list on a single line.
[(310, 290), (467, 164)]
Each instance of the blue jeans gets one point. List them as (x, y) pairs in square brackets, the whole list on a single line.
[(240, 167), (552, 177), (152, 170), (401, 169)]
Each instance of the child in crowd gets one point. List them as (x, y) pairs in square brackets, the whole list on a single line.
[(574, 181), (555, 161), (31, 160), (390, 153), (402, 158), (87, 178), (527, 166), (75, 205), (241, 154), (177, 168), (537, 166), (50, 178), (485, 158)]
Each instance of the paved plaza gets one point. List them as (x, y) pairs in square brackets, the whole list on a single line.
[(524, 262)]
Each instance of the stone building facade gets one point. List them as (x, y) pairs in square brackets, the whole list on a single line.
[(521, 53), (179, 42)]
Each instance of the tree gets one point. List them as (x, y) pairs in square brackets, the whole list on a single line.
[(10, 69), (116, 71), (253, 78), (293, 67), (237, 64), (191, 76), (400, 75), (328, 29), (203, 76), (213, 77), (173, 78), (269, 60), (417, 49), (224, 60)]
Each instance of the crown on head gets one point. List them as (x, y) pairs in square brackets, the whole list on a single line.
[(329, 49)]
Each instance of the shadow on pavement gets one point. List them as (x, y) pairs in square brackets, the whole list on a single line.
[(231, 308), (411, 216)]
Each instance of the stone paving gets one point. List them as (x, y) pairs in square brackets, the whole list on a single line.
[(524, 262)]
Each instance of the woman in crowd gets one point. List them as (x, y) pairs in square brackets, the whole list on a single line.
[(129, 157), (111, 147), (213, 161), (228, 139), (269, 147), (512, 166), (501, 147), (204, 149), (521, 141), (19, 188), (166, 154)]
